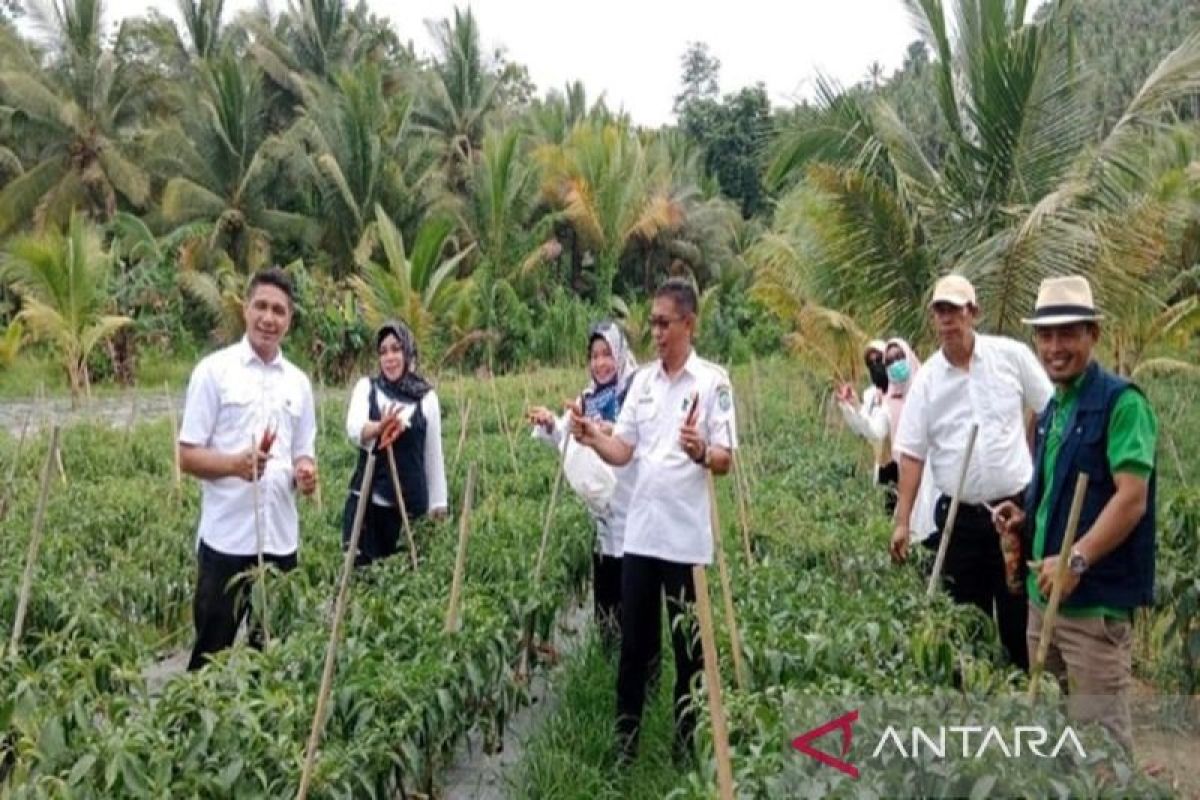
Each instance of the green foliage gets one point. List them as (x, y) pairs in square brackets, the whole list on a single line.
[(62, 278)]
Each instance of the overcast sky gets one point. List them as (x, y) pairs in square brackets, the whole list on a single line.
[(630, 49)]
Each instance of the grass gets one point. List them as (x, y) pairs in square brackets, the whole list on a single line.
[(21, 379), (573, 754)]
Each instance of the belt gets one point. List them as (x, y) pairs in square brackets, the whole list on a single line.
[(1017, 498)]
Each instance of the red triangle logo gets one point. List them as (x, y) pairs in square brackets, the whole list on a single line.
[(844, 723)]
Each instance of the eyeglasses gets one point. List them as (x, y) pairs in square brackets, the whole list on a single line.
[(663, 322)]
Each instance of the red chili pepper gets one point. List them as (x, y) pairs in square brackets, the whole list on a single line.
[(268, 439), (692, 411)]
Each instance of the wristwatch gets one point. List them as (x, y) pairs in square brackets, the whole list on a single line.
[(702, 460), (707, 456), (1077, 563)]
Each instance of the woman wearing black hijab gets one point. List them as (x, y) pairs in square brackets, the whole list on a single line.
[(398, 396)]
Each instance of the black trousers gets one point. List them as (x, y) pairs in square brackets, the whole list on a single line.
[(606, 596), (889, 477), (644, 582), (974, 574), (380, 535), (222, 600)]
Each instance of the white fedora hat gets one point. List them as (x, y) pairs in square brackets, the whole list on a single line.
[(1062, 301)]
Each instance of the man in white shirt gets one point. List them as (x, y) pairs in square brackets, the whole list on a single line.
[(249, 413), (997, 383), (677, 422)]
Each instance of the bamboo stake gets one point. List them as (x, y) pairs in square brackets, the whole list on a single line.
[(412, 545), (339, 610), (712, 680), (1175, 455), (133, 415), (1060, 575), (952, 514), (10, 480), (503, 421), (464, 419), (755, 428), (735, 638), (527, 638), (740, 493), (175, 438), (460, 557), (261, 578), (316, 468), (35, 541), (62, 471)]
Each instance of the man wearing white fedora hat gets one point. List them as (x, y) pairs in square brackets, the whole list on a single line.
[(1102, 425), (996, 383)]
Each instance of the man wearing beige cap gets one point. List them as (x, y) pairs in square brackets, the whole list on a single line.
[(994, 382), (1102, 425)]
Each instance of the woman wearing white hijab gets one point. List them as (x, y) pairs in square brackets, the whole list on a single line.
[(610, 368)]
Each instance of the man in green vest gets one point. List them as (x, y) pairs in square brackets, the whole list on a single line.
[(1102, 425)]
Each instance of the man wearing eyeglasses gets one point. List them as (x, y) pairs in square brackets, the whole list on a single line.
[(677, 422)]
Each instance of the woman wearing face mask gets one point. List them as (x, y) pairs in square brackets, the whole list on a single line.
[(610, 368), (396, 408)]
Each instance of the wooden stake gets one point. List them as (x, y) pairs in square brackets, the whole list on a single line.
[(10, 480), (952, 514), (395, 473), (260, 579), (35, 541), (464, 420), (1060, 575), (460, 557), (712, 680), (740, 493), (320, 501), (175, 438), (133, 415), (339, 611), (735, 638), (512, 452), (527, 638)]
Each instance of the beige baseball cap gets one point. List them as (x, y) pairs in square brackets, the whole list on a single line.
[(954, 289)]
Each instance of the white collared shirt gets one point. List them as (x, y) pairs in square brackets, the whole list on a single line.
[(668, 513), (232, 398), (358, 414), (1003, 383)]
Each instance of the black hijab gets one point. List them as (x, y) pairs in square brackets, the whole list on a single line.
[(410, 385)]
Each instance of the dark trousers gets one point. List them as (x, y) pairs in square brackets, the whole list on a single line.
[(380, 535), (974, 574), (889, 477), (222, 600), (606, 595), (644, 582)]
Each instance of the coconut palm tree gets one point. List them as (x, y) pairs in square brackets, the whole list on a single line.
[(418, 287), (1022, 189), (225, 170), (361, 153), (611, 193), (75, 116), (62, 279), (460, 94)]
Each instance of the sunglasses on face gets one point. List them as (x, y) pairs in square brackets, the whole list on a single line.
[(887, 362)]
